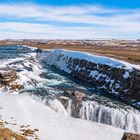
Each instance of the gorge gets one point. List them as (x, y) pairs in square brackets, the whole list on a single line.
[(76, 84)]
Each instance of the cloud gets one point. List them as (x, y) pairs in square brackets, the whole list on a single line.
[(18, 30), (87, 21), (44, 31)]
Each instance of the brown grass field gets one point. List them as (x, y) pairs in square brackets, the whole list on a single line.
[(126, 53)]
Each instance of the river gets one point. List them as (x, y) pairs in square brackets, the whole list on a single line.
[(51, 92)]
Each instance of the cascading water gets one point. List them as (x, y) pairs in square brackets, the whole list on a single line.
[(117, 117), (128, 119), (95, 107)]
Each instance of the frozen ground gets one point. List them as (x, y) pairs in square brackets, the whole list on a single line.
[(23, 110)]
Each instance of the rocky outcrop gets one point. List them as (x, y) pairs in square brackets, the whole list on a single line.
[(130, 136), (7, 134), (8, 77), (135, 86), (16, 87), (75, 94)]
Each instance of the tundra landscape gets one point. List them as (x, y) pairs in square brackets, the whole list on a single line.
[(69, 70), (76, 78)]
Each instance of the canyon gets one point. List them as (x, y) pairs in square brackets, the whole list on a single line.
[(81, 85)]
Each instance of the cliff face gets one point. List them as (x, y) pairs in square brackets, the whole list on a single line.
[(113, 77), (135, 88), (112, 80)]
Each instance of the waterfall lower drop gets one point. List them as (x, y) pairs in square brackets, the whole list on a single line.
[(57, 106), (92, 110), (117, 117), (51, 102), (69, 108)]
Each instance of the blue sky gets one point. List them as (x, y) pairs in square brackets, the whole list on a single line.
[(108, 3), (69, 19)]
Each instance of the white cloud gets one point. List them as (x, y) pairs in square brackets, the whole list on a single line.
[(100, 22), (33, 30)]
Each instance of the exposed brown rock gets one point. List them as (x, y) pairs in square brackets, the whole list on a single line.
[(36, 129), (28, 132), (131, 136), (7, 134), (7, 77), (77, 94), (16, 87)]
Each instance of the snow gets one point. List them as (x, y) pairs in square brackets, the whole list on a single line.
[(94, 73), (28, 68), (126, 75), (89, 57), (31, 48), (51, 125)]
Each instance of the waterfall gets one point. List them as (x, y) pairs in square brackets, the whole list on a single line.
[(118, 117), (51, 102), (128, 119), (57, 106), (69, 108), (115, 115)]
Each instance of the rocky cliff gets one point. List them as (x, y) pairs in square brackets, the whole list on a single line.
[(112, 77)]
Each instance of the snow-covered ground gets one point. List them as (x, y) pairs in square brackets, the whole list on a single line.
[(23, 110)]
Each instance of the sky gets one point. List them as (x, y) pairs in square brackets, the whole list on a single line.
[(69, 19)]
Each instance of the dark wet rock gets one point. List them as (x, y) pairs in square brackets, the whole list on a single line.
[(38, 50), (111, 80), (131, 136)]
